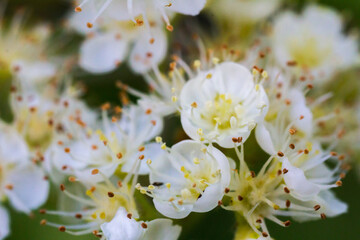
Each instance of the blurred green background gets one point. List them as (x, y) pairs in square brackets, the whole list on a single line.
[(218, 224)]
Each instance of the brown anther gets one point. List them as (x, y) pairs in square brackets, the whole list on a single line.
[(310, 86), (338, 183), (32, 109), (194, 105), (303, 78), (119, 155), (111, 194), (43, 222), (9, 187), (92, 189), (62, 229), (261, 55), (152, 40), (323, 216), (67, 150), (220, 203), (129, 215), (292, 131), (153, 122), (306, 151), (240, 139), (287, 223), (287, 102), (288, 203), (117, 109), (278, 95), (264, 234), (51, 122), (148, 111), (301, 117), (114, 119), (291, 63), (78, 216), (141, 157), (285, 171), (280, 154), (66, 103), (78, 9), (143, 225), (119, 183), (253, 175), (286, 190), (292, 146), (259, 221), (42, 211), (105, 106), (235, 140), (341, 157), (149, 54), (342, 175), (142, 148), (95, 171), (170, 28), (316, 207), (62, 187), (240, 198), (89, 25), (64, 167), (227, 190), (279, 172), (333, 154)]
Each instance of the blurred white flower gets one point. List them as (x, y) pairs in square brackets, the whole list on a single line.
[(123, 227), (313, 43), (121, 144), (22, 182), (222, 103), (244, 11), (189, 177)]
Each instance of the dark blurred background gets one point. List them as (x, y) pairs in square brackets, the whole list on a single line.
[(218, 224)]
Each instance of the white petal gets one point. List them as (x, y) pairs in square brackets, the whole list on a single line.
[(333, 206), (35, 72), (30, 189), (121, 227), (264, 139), (162, 229), (102, 53), (168, 210), (13, 148), (4, 223), (188, 7), (145, 55), (210, 198), (298, 183)]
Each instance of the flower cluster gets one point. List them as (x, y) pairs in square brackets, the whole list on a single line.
[(113, 167)]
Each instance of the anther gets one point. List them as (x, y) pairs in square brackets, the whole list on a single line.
[(323, 216), (287, 223), (285, 171), (119, 155), (306, 151), (220, 203), (292, 131), (292, 146), (72, 179), (42, 211), (43, 222), (111, 194), (170, 28), (89, 25), (78, 215), (240, 198), (143, 225), (280, 154), (288, 203), (62, 187), (286, 190), (129, 215), (148, 111), (316, 207), (291, 63), (141, 157), (62, 229), (264, 234), (234, 139), (259, 220), (338, 183), (78, 9), (253, 175), (95, 171), (67, 150), (227, 190), (194, 105)]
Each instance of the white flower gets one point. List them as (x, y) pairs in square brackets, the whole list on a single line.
[(4, 227), (288, 112), (275, 191), (189, 177), (21, 181), (121, 144), (123, 227), (221, 104), (130, 9), (314, 42)]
